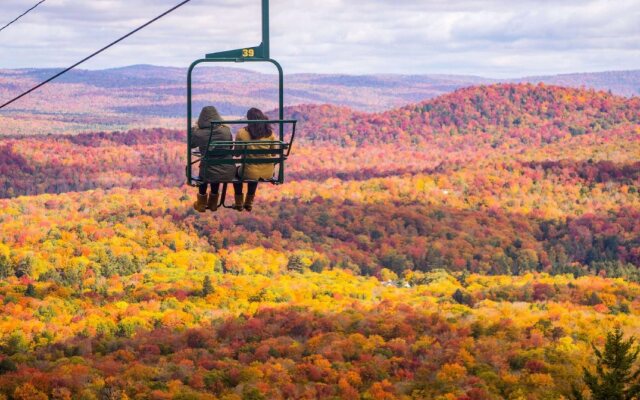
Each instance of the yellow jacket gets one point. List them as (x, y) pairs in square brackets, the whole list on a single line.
[(256, 171)]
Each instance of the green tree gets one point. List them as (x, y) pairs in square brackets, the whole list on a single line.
[(594, 299), (319, 265), (207, 286), (463, 297), (24, 267), (396, 261), (295, 263), (111, 393), (31, 290), (462, 278), (526, 260), (614, 378), (6, 269), (16, 343), (7, 365)]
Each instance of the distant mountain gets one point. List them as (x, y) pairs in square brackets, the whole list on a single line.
[(622, 83), (233, 88), (488, 114), (143, 95)]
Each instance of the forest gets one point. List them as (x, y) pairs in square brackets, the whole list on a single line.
[(405, 248)]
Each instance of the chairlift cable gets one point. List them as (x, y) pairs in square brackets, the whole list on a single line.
[(94, 54), (21, 15)]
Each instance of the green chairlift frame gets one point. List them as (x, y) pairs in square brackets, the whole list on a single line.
[(280, 149)]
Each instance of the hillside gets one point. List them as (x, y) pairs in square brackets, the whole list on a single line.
[(142, 96), (498, 149), (469, 124), (104, 293), (471, 246), (484, 121), (496, 113)]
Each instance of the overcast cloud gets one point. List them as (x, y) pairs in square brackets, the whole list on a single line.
[(494, 38)]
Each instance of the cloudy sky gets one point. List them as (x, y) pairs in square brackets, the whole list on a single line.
[(493, 38)]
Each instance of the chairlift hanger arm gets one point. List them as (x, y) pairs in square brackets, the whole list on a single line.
[(261, 51)]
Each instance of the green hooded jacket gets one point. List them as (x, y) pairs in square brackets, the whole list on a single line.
[(200, 138)]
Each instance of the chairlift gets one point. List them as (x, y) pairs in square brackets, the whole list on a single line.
[(278, 151)]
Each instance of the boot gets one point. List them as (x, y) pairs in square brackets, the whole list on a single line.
[(248, 202), (212, 203), (201, 203), (239, 202)]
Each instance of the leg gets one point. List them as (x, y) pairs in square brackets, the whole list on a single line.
[(212, 202), (201, 203), (237, 187), (239, 197), (252, 187)]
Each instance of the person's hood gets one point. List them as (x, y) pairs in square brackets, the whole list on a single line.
[(208, 114)]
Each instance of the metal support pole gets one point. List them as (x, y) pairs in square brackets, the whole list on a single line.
[(265, 30)]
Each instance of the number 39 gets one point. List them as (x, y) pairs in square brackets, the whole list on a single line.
[(248, 53)]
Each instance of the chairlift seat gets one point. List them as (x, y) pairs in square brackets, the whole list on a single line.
[(238, 153)]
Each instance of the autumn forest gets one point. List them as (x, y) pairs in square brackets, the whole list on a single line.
[(477, 245)]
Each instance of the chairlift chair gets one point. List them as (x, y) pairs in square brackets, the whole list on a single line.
[(279, 149)]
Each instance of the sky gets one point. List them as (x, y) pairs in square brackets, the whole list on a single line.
[(490, 38)]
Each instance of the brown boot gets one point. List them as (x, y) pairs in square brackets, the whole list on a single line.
[(212, 203), (201, 203), (239, 202), (248, 202)]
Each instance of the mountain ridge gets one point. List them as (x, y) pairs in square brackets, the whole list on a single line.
[(631, 77), (439, 134), (479, 109), (143, 96)]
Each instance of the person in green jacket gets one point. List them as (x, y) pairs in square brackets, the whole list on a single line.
[(253, 172), (211, 175)]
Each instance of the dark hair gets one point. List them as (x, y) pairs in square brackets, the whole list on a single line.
[(258, 131)]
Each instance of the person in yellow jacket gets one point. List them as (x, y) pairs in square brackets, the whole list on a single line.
[(253, 172)]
